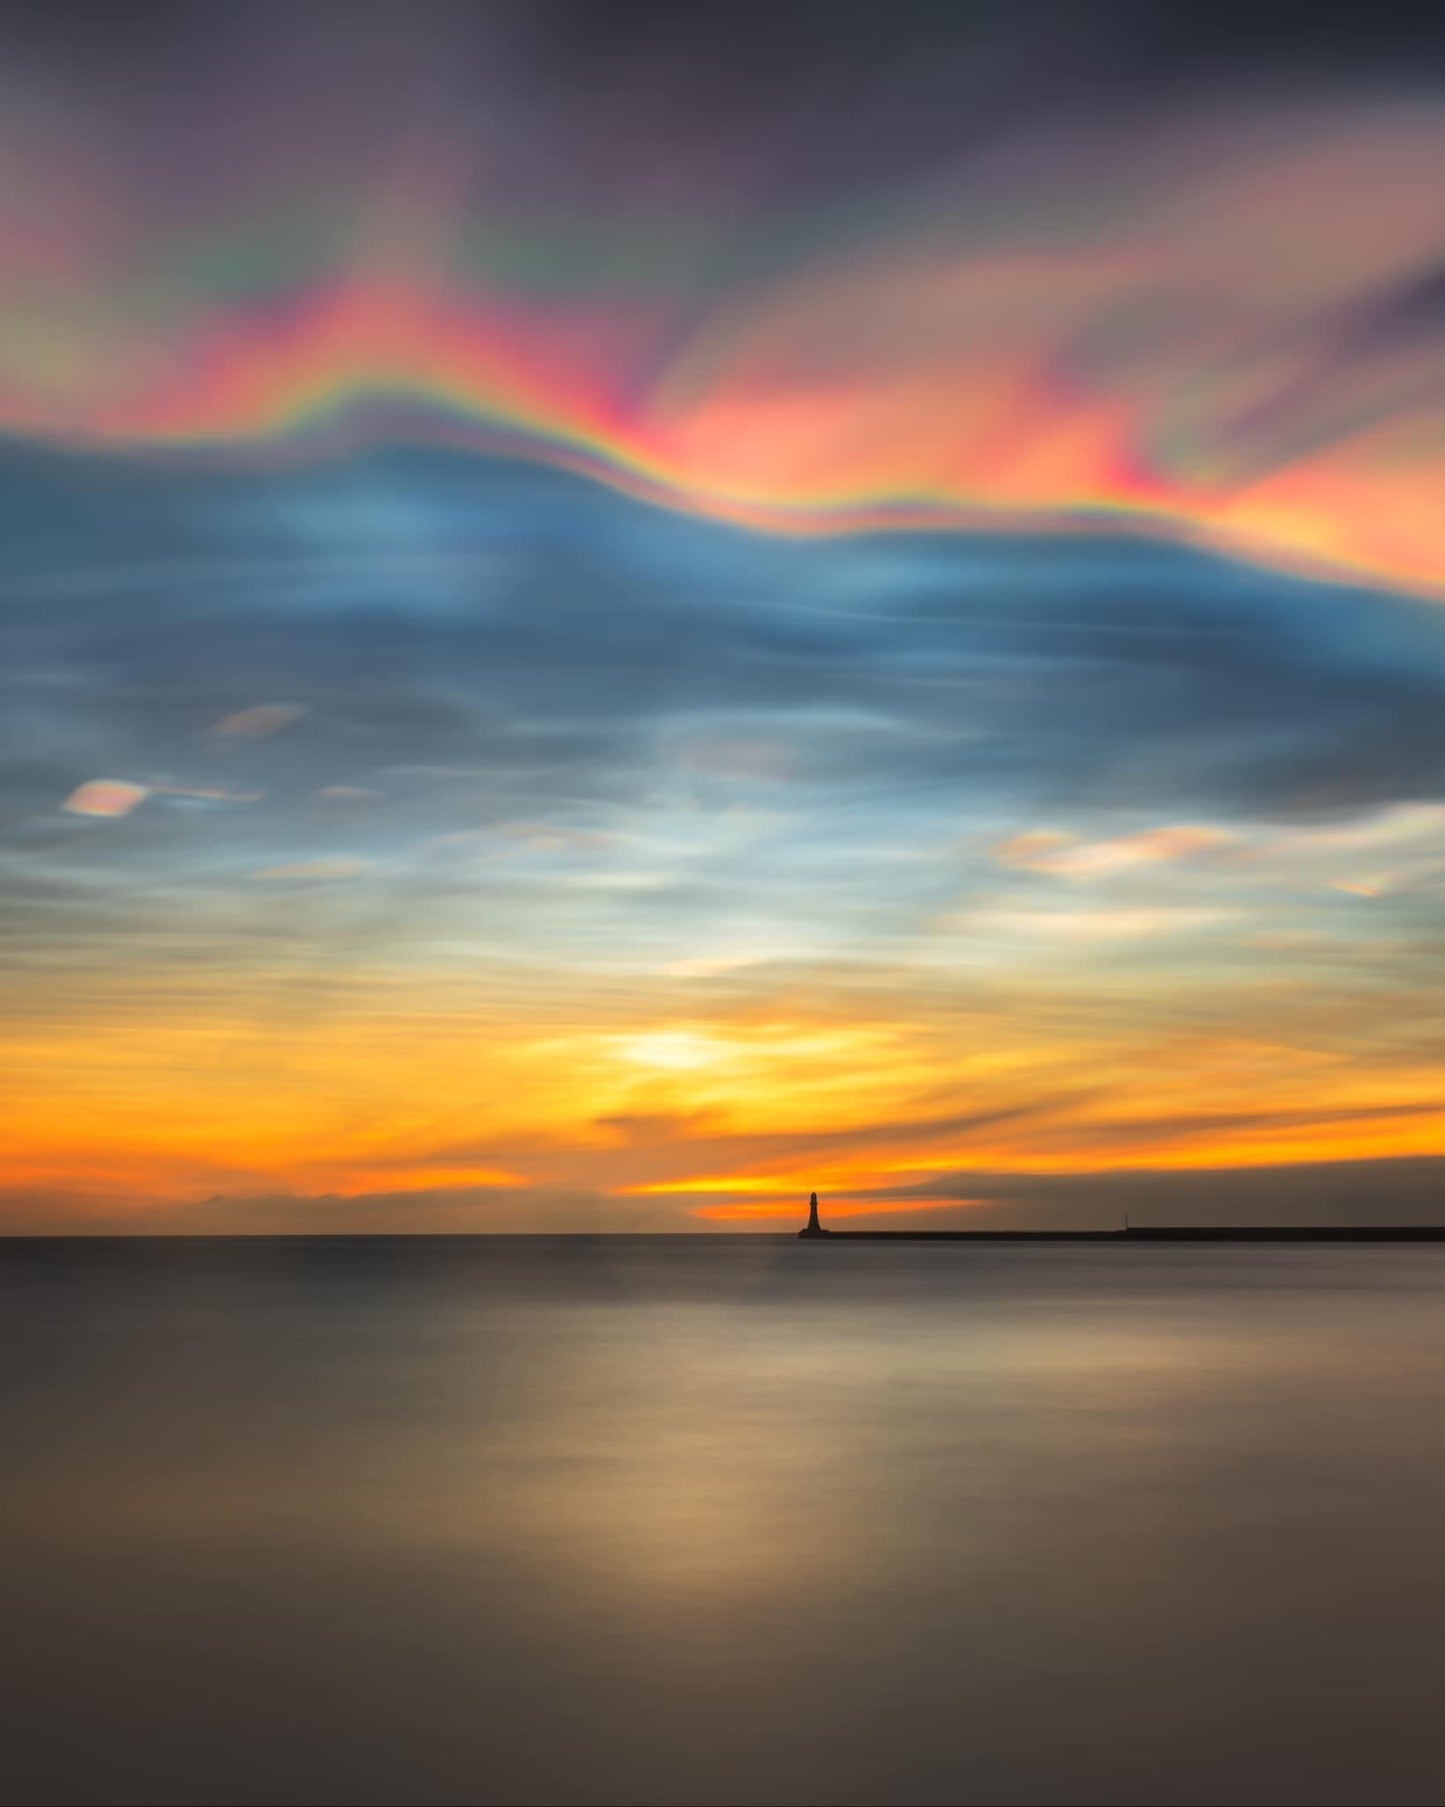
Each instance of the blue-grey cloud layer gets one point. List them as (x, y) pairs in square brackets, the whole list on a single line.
[(480, 646)]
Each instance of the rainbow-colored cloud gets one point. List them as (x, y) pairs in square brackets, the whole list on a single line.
[(1224, 328)]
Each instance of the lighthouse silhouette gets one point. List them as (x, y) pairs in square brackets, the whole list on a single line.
[(814, 1228)]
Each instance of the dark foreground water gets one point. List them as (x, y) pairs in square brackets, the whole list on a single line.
[(720, 1521)]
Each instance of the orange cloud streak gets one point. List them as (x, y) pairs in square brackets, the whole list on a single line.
[(380, 1088)]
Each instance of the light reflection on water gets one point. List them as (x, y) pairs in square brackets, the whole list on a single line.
[(733, 1520)]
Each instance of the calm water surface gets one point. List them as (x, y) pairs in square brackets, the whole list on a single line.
[(722, 1521)]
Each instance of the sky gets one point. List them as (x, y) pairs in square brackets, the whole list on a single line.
[(612, 615)]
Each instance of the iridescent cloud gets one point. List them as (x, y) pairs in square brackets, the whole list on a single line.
[(1222, 324), (105, 797)]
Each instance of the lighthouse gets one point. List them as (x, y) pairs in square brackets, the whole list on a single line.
[(814, 1227)]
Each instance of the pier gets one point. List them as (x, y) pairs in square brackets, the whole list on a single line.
[(1142, 1233)]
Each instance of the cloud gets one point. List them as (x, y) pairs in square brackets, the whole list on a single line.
[(336, 868), (742, 750), (1052, 851), (1025, 266), (259, 720), (1400, 848), (1085, 924), (441, 1211), (106, 797)]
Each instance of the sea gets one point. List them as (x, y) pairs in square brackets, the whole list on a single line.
[(732, 1520)]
